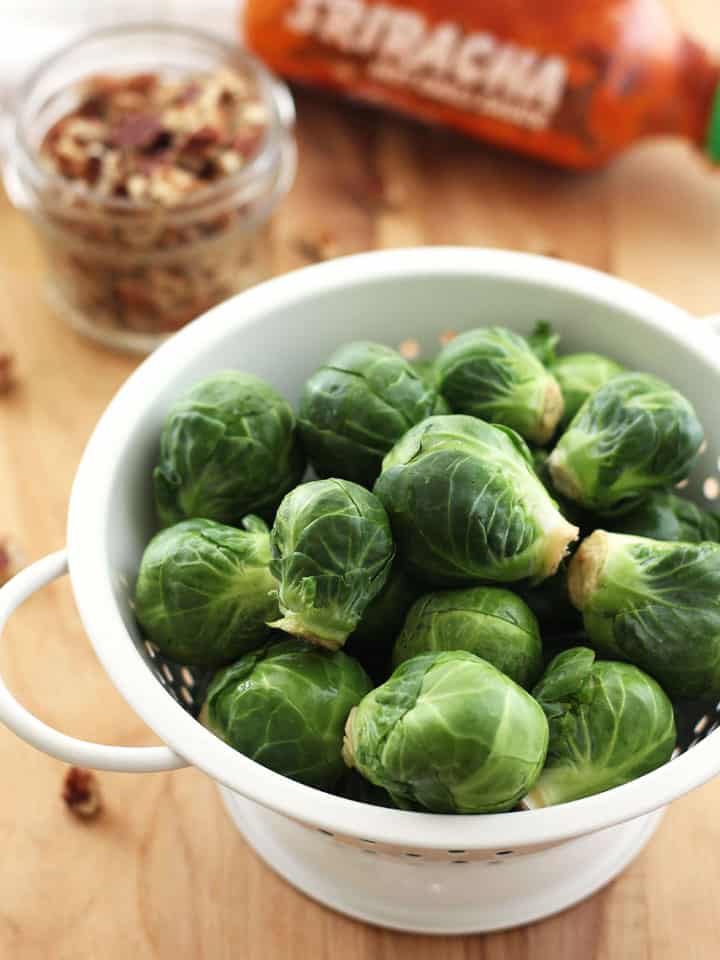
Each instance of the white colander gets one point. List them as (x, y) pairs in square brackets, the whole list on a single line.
[(412, 871)]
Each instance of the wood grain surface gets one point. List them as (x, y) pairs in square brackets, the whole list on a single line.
[(163, 874)]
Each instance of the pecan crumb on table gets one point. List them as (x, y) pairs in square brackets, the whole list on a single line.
[(11, 559), (7, 372), (81, 793)]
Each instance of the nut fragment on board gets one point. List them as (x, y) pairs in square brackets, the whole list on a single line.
[(81, 793), (7, 371), (317, 246), (11, 559)]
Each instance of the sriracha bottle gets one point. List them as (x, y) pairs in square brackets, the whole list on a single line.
[(574, 82)]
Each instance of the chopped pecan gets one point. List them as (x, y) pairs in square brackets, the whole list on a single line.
[(7, 372), (11, 560), (153, 142), (136, 130), (81, 793), (320, 246)]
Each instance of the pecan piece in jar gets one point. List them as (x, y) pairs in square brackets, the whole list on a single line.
[(145, 125)]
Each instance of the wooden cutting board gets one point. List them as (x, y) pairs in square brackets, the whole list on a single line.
[(162, 873)]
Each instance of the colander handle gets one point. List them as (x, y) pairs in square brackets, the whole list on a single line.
[(27, 726)]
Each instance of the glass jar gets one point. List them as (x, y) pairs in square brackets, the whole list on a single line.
[(129, 271)]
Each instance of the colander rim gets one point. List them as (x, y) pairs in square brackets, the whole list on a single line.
[(92, 581)]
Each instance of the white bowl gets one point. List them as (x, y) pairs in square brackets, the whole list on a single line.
[(412, 871)]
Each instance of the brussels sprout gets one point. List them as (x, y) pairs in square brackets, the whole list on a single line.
[(331, 552), (543, 342), (204, 590), (466, 505), (448, 733), (493, 373), (655, 604), (354, 408), (372, 641), (609, 723), (579, 375), (633, 435), (665, 516), (228, 448), (490, 622), (425, 369), (285, 706), (354, 787)]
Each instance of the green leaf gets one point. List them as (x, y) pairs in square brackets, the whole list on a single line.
[(332, 552), (448, 733), (493, 373), (285, 706), (355, 407)]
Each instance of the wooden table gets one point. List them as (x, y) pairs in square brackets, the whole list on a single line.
[(163, 874)]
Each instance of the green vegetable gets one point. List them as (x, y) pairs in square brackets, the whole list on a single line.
[(665, 516), (543, 343), (490, 622), (609, 723), (332, 550), (632, 436), (466, 505), (204, 590), (425, 369), (579, 376), (285, 706), (448, 733), (228, 448), (354, 408), (654, 603), (373, 638), (493, 374)]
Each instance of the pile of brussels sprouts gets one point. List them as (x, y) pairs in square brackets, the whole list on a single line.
[(419, 627)]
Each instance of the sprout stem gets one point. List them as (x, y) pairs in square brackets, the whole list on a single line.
[(586, 568), (297, 626), (347, 749), (562, 477), (552, 411)]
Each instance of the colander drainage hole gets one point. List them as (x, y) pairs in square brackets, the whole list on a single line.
[(504, 853), (459, 861), (415, 856), (457, 851), (328, 833)]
